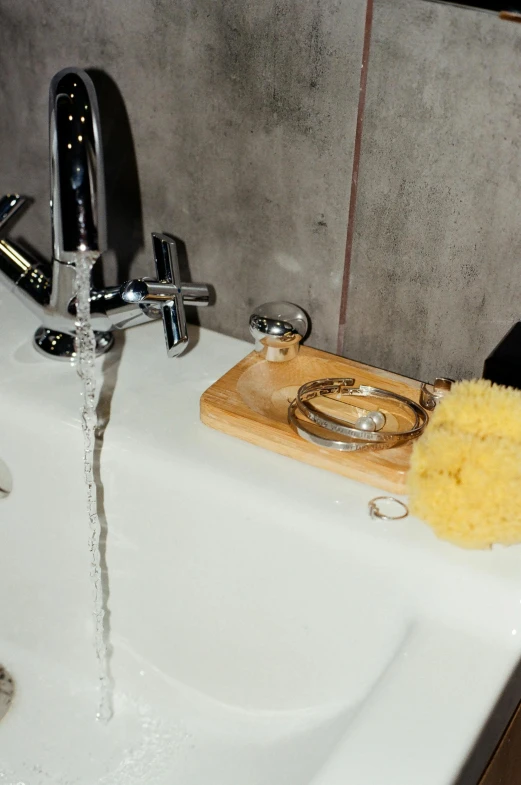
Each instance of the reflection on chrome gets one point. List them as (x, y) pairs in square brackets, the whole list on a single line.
[(78, 220)]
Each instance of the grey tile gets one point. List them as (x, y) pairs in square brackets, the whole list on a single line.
[(243, 117), (436, 270)]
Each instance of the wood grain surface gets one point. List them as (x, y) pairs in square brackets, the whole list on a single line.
[(251, 403)]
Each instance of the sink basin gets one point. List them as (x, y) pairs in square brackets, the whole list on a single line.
[(264, 630)]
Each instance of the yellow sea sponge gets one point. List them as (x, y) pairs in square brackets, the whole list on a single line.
[(465, 475)]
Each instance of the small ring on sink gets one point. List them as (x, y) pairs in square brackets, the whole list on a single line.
[(375, 512)]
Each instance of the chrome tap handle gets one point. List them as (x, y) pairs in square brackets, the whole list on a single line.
[(167, 293), (9, 206)]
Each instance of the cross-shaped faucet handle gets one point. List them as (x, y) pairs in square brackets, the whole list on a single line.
[(167, 293), (169, 277)]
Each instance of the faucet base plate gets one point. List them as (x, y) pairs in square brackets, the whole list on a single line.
[(61, 346)]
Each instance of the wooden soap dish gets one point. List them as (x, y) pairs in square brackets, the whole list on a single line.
[(251, 402)]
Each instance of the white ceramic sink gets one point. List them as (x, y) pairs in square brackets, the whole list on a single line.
[(265, 630)]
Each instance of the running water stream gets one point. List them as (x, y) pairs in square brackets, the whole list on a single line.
[(86, 353)]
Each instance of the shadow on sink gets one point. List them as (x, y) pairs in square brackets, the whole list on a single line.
[(6, 691)]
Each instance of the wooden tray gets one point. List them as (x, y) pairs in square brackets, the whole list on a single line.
[(251, 402)]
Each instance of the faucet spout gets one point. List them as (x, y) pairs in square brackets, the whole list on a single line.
[(78, 221), (77, 182)]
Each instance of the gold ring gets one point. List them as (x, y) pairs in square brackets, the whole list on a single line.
[(432, 394), (374, 512)]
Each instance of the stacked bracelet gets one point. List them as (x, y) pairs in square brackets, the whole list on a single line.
[(317, 426)]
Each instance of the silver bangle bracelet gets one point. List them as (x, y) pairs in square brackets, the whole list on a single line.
[(349, 445), (343, 387)]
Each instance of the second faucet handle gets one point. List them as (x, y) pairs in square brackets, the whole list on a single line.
[(10, 204), (168, 293), (169, 290)]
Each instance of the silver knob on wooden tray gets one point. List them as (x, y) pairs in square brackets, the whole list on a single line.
[(278, 328)]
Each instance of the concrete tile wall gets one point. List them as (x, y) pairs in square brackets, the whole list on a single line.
[(232, 125), (242, 114), (436, 263)]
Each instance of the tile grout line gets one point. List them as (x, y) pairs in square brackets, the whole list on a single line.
[(354, 175)]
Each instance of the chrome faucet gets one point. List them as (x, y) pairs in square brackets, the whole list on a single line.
[(79, 227)]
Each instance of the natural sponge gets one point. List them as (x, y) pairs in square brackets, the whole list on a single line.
[(465, 475)]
